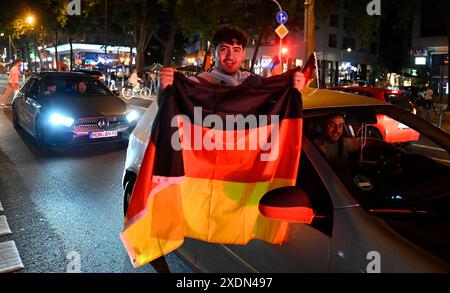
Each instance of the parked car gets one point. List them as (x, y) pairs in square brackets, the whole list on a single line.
[(384, 127), (56, 108), (387, 202)]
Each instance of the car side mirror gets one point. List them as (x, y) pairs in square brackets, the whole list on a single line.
[(289, 204)]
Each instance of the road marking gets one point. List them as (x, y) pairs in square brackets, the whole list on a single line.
[(428, 147), (4, 227), (1, 207), (9, 258), (441, 160)]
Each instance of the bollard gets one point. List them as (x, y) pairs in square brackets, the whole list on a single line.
[(441, 117)]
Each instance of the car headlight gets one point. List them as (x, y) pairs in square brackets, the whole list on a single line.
[(133, 115), (58, 119)]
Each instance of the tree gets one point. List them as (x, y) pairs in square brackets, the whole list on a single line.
[(137, 20)]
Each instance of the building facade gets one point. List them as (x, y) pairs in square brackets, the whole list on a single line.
[(429, 48)]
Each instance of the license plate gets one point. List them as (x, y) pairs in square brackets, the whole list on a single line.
[(102, 134)]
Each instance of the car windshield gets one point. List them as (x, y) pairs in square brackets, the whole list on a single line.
[(390, 160), (73, 86), (399, 100)]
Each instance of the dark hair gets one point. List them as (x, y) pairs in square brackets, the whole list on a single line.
[(227, 33)]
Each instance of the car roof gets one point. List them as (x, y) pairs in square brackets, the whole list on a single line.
[(368, 89), (323, 98), (44, 74)]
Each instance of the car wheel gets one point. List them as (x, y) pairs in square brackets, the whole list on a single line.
[(145, 93), (39, 135), (127, 93), (127, 194), (15, 117)]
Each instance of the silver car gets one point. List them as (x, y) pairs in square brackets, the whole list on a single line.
[(385, 208)]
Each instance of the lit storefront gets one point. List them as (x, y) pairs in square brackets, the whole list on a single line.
[(93, 56)]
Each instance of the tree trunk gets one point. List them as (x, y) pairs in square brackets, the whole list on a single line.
[(257, 45), (71, 53), (140, 48), (168, 46), (27, 51), (311, 34), (130, 64), (56, 48)]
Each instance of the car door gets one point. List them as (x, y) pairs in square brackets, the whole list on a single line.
[(21, 106), (306, 249), (31, 103)]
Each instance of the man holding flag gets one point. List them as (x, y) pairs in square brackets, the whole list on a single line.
[(212, 195)]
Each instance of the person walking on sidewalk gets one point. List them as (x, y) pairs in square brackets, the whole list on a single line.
[(13, 82), (428, 98)]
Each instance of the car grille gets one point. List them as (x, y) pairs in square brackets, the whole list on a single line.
[(92, 124)]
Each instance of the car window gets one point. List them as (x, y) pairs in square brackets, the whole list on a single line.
[(26, 87), (75, 86), (399, 100), (361, 93), (35, 88), (400, 169)]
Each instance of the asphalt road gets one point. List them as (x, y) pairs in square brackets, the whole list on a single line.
[(65, 204)]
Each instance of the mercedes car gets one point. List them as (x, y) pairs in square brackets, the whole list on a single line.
[(60, 108)]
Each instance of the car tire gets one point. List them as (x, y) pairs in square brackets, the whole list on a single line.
[(127, 93), (15, 117), (145, 93), (39, 134), (129, 185)]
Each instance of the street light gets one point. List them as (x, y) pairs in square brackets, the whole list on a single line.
[(30, 19)]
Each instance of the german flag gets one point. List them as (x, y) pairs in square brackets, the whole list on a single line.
[(214, 151)]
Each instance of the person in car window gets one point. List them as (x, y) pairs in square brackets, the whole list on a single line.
[(82, 87), (51, 89), (332, 143)]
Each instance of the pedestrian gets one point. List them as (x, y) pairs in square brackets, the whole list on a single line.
[(428, 98), (112, 81), (13, 84), (228, 48)]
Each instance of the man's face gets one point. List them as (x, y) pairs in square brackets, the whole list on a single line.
[(51, 89), (82, 87), (335, 128), (229, 57), (299, 80)]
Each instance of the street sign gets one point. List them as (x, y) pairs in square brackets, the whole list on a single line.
[(281, 31), (282, 17)]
